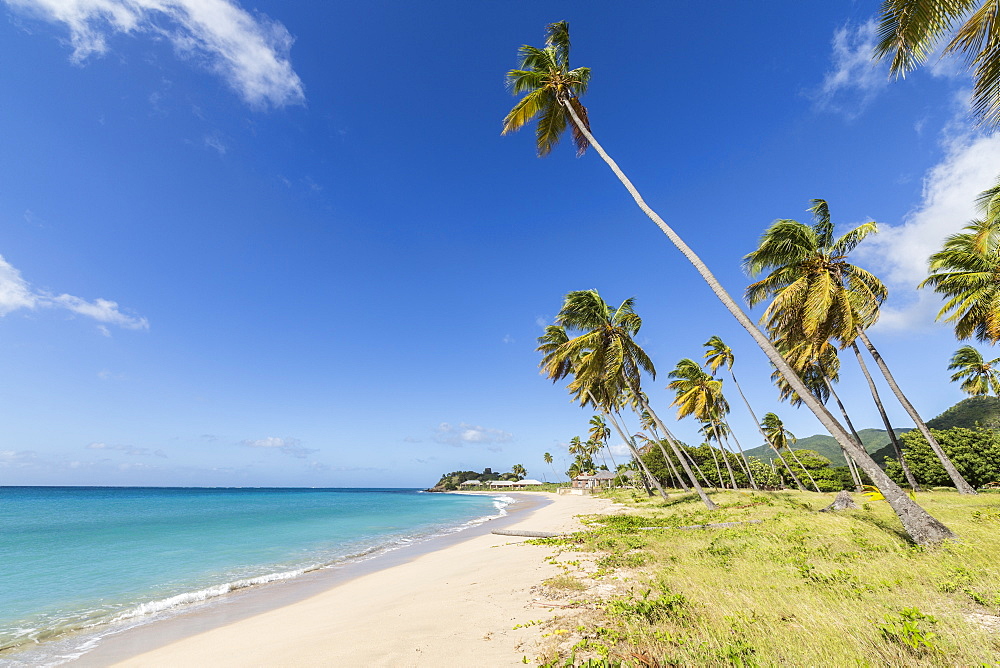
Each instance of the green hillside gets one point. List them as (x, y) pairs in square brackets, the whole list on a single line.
[(970, 413), (876, 443)]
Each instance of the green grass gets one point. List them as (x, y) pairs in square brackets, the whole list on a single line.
[(799, 588)]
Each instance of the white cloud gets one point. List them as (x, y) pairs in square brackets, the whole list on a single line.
[(507, 338), (16, 294), (127, 449), (854, 79), (249, 51), (463, 434), (899, 253), (620, 450), (290, 446)]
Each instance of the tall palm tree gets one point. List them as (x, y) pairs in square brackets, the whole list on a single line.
[(600, 433), (700, 395), (718, 354), (778, 437), (910, 30), (978, 376), (547, 82), (547, 457), (964, 272), (559, 361), (818, 296), (607, 360)]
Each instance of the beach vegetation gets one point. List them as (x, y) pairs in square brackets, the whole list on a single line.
[(551, 93), (787, 585), (976, 453)]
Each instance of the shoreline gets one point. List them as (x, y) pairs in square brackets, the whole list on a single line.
[(452, 600)]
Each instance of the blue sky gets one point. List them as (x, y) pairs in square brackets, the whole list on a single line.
[(284, 243)]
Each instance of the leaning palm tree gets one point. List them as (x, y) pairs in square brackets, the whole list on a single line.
[(558, 362), (978, 376), (547, 457), (818, 296), (552, 93), (964, 272), (700, 395), (719, 354), (911, 30), (600, 433), (607, 360), (778, 437)]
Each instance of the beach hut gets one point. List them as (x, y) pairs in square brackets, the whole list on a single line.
[(528, 482), (501, 484), (471, 483)]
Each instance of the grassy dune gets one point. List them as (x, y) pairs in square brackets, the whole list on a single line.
[(801, 587)]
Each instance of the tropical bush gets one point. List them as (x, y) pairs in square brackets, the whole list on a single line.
[(975, 453)]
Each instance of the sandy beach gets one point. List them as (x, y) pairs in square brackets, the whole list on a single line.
[(455, 606)]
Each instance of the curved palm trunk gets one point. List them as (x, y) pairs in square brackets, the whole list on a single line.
[(635, 455), (670, 462), (911, 481), (744, 462), (917, 522), (732, 374), (798, 483), (960, 484), (644, 405), (854, 432), (725, 460), (718, 469), (804, 469)]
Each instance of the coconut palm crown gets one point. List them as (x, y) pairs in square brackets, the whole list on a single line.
[(547, 81), (910, 30), (965, 272), (817, 295), (977, 375)]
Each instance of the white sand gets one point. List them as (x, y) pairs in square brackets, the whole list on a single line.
[(453, 607)]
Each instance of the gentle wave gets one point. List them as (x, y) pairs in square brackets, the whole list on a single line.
[(98, 624)]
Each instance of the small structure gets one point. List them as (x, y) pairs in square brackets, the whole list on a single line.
[(596, 481), (528, 482), (505, 484), (471, 483)]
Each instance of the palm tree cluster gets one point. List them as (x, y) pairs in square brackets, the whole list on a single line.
[(820, 303)]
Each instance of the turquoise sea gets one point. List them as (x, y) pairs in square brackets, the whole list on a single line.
[(82, 558)]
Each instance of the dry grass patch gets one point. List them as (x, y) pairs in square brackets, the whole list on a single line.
[(799, 588)]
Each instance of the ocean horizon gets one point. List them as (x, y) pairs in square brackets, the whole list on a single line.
[(81, 562)]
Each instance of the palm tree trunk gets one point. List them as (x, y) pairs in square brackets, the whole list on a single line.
[(644, 405), (635, 453), (917, 522), (718, 469), (911, 481), (798, 483), (739, 389), (745, 462), (725, 459), (854, 432), (960, 484), (670, 462)]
